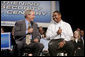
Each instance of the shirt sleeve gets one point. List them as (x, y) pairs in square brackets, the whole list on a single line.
[(50, 33), (69, 32)]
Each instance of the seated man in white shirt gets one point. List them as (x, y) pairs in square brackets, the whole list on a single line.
[(60, 34)]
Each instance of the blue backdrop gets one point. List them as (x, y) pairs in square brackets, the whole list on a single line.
[(14, 10), (5, 41)]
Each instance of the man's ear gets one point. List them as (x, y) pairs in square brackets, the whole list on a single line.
[(59, 16)]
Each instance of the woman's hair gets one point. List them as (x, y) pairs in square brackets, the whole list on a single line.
[(78, 33), (73, 38)]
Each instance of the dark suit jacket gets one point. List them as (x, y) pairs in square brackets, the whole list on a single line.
[(20, 30), (78, 44)]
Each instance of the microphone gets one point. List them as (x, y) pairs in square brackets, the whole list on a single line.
[(60, 34), (31, 24)]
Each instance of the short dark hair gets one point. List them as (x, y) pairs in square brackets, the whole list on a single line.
[(57, 12)]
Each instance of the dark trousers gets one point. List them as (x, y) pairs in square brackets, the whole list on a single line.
[(53, 47), (34, 48), (19, 48), (79, 52)]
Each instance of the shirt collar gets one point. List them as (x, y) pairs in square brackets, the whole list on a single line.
[(59, 22), (26, 21)]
